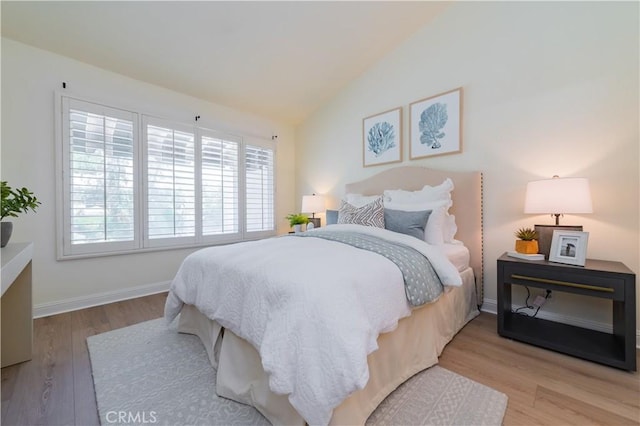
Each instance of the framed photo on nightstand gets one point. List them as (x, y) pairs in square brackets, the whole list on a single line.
[(569, 247)]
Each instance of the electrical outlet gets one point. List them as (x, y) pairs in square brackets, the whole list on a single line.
[(539, 301)]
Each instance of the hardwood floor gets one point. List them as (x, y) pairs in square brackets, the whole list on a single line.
[(56, 386), (544, 387)]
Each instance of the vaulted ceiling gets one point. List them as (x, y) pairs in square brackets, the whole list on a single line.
[(280, 60)]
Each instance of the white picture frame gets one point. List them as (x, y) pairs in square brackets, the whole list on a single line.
[(436, 125), (569, 247), (382, 138)]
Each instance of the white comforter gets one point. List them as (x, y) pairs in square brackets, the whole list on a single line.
[(312, 308)]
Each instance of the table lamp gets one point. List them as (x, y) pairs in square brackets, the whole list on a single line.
[(313, 204), (556, 197)]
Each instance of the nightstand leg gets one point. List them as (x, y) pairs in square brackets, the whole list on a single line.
[(504, 300), (624, 325)]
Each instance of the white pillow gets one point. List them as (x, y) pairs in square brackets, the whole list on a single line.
[(425, 195), (435, 229), (434, 232), (359, 200), (450, 228)]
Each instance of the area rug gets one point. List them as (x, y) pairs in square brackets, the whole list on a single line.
[(149, 373)]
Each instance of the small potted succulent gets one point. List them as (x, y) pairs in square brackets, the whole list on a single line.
[(527, 241), (296, 220), (14, 201)]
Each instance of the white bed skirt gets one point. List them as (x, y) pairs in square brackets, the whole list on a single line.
[(412, 347)]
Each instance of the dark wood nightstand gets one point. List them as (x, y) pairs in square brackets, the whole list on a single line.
[(598, 278)]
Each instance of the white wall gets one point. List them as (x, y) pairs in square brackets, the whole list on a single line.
[(29, 78), (549, 88)]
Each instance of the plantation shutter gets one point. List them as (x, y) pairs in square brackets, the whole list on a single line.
[(260, 190), (220, 211), (129, 182), (99, 185), (170, 182)]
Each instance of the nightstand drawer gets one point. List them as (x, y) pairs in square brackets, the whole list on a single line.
[(570, 280)]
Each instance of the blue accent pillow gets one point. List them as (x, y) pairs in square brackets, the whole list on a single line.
[(405, 222), (332, 217)]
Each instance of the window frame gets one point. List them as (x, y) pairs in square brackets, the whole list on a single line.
[(141, 242), (147, 241), (225, 237), (254, 235), (64, 193)]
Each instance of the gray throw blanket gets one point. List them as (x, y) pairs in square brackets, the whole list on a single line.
[(421, 283)]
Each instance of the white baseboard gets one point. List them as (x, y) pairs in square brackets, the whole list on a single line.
[(491, 306), (73, 304)]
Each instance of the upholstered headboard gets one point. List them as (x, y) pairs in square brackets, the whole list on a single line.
[(467, 203)]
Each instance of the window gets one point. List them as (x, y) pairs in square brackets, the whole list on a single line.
[(170, 183), (220, 213), (133, 182), (259, 188), (100, 185)]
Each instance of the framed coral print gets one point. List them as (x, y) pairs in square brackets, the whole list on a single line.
[(569, 247), (436, 125), (382, 138)]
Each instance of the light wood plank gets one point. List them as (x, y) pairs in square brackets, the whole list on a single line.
[(569, 410), (43, 393), (9, 380), (88, 322)]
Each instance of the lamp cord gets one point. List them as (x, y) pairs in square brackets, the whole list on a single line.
[(527, 306)]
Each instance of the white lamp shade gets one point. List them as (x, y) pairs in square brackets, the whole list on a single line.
[(558, 196), (312, 204)]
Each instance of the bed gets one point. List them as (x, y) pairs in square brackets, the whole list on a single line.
[(393, 353)]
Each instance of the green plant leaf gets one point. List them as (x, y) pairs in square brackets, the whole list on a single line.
[(297, 219), (15, 201)]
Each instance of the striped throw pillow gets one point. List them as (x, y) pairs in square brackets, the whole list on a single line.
[(371, 214)]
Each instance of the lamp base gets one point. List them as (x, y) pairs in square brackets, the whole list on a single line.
[(545, 236), (316, 221)]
